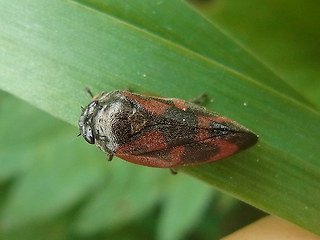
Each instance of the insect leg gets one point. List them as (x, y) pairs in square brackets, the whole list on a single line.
[(201, 99), (109, 157), (173, 171)]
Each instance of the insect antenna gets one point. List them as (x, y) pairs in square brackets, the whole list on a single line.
[(89, 91)]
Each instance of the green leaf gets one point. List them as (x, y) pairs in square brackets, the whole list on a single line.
[(54, 49), (287, 39), (175, 221), (51, 176), (121, 200)]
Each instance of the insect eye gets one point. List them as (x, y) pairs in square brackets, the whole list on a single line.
[(89, 136), (91, 107)]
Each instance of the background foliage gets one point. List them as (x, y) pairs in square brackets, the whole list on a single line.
[(54, 185)]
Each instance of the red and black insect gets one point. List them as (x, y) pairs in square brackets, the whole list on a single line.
[(160, 132)]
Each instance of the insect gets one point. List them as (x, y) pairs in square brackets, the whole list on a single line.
[(160, 132)]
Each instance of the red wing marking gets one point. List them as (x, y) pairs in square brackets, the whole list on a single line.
[(202, 134), (180, 104), (226, 149), (146, 160), (153, 106), (149, 142), (204, 121), (176, 154), (161, 159)]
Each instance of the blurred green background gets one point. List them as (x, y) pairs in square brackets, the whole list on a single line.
[(55, 186)]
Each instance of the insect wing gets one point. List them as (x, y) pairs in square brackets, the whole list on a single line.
[(180, 133)]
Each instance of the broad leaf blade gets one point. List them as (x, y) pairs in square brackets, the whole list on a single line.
[(200, 37), (54, 49)]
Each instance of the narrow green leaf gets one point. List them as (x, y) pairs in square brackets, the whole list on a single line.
[(17, 139), (188, 30), (286, 35), (186, 201), (54, 49), (128, 194), (56, 181)]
